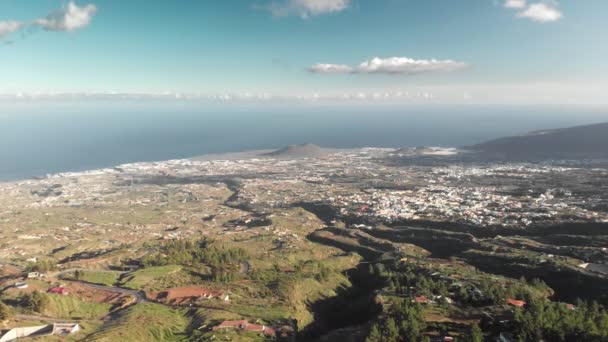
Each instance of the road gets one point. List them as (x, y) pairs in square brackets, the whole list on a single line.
[(140, 297)]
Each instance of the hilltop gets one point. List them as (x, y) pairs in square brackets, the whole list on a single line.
[(589, 141)]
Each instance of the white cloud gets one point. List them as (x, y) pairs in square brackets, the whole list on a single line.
[(515, 4), (306, 8), (70, 18), (404, 65), (330, 68), (392, 65), (541, 12), (8, 27)]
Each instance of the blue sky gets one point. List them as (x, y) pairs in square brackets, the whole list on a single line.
[(479, 51)]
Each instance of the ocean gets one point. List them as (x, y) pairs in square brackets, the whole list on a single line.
[(38, 139)]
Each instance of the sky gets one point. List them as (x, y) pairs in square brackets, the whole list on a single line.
[(517, 52)]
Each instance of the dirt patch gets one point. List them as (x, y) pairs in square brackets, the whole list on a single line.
[(90, 294)]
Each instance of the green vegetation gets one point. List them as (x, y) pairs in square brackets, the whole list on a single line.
[(105, 278), (404, 323), (229, 335), (151, 276), (34, 302), (420, 279), (144, 322), (476, 335), (5, 312), (43, 265), (543, 320), (194, 253), (72, 307), (224, 262)]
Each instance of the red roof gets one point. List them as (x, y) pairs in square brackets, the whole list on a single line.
[(448, 339), (570, 306), (515, 302), (58, 289), (421, 299), (254, 327)]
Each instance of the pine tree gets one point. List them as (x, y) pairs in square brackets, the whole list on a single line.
[(476, 333), (374, 334), (391, 332)]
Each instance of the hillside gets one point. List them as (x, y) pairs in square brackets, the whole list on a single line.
[(590, 141)]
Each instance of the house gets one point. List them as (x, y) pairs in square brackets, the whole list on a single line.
[(444, 299), (515, 302), (33, 275), (21, 285), (421, 299), (185, 295), (59, 290), (570, 306)]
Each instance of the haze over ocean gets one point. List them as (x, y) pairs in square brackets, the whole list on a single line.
[(75, 138)]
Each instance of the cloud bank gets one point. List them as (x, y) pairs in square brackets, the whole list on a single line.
[(503, 94), (391, 66)]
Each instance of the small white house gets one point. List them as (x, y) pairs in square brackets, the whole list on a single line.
[(21, 285), (34, 275)]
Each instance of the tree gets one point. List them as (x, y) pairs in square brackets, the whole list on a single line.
[(476, 335), (44, 265), (5, 312), (35, 301), (412, 323), (375, 335), (391, 332)]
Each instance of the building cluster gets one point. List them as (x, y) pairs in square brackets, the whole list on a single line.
[(483, 206)]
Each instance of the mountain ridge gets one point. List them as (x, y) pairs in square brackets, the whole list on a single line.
[(586, 141)]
